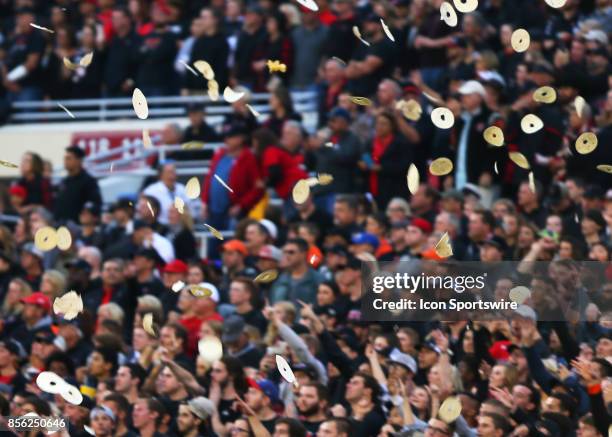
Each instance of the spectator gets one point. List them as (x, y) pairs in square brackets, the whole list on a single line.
[(309, 43), (299, 281), (281, 106), (370, 64), (119, 77), (387, 160), (236, 165), (198, 130), (251, 37), (22, 72), (37, 187), (339, 159), (78, 188), (166, 190)]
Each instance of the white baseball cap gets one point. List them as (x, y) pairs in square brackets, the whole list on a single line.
[(473, 87)]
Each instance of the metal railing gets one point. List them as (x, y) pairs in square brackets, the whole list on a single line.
[(118, 108)]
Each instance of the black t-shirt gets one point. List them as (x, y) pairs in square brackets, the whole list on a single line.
[(156, 60), (121, 63), (18, 48), (255, 318), (226, 412), (369, 426), (214, 50), (312, 427), (385, 51), (269, 424)]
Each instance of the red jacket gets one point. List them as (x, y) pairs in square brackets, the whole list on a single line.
[(243, 179), (291, 169)]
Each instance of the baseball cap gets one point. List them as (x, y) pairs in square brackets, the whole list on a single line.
[(403, 359), (498, 242), (123, 203), (102, 409), (232, 328), (338, 249), (12, 346), (593, 192), (365, 238), (32, 249), (270, 228), (91, 208), (339, 112), (214, 292), (266, 386), (500, 350), (79, 264), (422, 224), (526, 312), (473, 87), (237, 246), (470, 189), (270, 252), (307, 369), (233, 129), (201, 407), (18, 191), (176, 266), (38, 299), (149, 253), (597, 35), (431, 345)]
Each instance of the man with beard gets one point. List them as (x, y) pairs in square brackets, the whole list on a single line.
[(260, 397), (191, 417), (311, 403)]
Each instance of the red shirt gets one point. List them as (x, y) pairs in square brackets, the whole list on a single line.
[(192, 325), (292, 168), (242, 179), (379, 147)]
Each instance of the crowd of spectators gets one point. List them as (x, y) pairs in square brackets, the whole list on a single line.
[(516, 376)]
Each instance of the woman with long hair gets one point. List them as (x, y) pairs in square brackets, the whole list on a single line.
[(277, 46), (281, 110), (38, 188), (180, 233), (227, 381), (387, 161)]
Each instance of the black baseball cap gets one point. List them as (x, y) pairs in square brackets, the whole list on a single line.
[(78, 264), (92, 208)]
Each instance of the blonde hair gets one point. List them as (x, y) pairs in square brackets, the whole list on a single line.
[(115, 312), (58, 279), (151, 304), (16, 308)]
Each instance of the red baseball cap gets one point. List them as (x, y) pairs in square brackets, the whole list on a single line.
[(236, 245), (18, 190), (176, 266), (422, 224), (499, 350), (39, 299)]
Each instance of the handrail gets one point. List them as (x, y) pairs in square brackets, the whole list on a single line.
[(118, 101)]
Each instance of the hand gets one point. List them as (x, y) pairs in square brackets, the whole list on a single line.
[(607, 394), (564, 372), (215, 392), (417, 78), (503, 395), (520, 431), (338, 411), (587, 372), (484, 370), (441, 340), (370, 353), (248, 411)]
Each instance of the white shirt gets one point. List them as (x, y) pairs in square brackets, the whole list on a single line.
[(165, 196), (162, 246)]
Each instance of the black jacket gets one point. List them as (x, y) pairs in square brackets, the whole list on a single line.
[(214, 50), (72, 193), (394, 165)]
